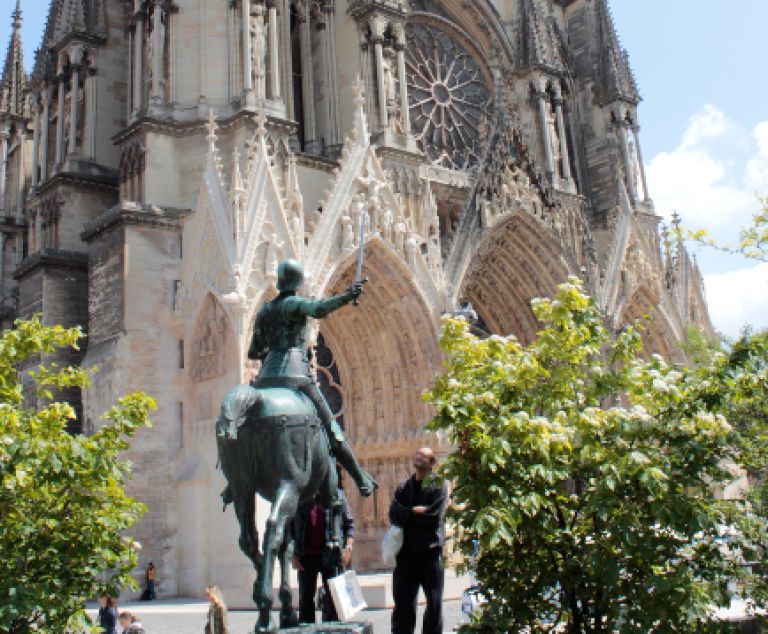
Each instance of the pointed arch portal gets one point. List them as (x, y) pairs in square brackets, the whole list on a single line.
[(657, 332), (379, 356), (517, 262)]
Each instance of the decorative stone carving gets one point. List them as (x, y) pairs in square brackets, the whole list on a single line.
[(385, 226), (258, 50), (209, 345), (389, 70), (634, 177), (554, 139), (347, 233), (273, 255), (448, 97), (399, 241)]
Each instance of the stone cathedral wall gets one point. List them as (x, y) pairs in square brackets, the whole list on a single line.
[(494, 147)]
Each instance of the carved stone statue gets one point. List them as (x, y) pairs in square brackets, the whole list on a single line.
[(258, 51), (386, 225), (635, 181), (413, 247), (554, 138), (270, 261), (399, 240), (279, 438), (297, 228), (149, 56), (347, 233), (390, 91)]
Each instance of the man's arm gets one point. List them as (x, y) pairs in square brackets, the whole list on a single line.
[(399, 513), (319, 308), (433, 509), (258, 348)]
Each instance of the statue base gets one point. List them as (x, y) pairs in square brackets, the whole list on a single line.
[(352, 627)]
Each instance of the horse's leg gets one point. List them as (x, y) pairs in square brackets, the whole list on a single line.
[(283, 509), (249, 536), (288, 616)]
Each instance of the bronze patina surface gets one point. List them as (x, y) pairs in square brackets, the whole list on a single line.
[(278, 438)]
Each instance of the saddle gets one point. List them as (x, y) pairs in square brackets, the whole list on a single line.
[(238, 402)]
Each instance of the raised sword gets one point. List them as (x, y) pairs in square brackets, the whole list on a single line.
[(360, 253)]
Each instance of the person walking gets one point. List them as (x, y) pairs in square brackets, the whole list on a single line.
[(217, 612), (130, 623), (313, 555), (418, 507), (108, 614)]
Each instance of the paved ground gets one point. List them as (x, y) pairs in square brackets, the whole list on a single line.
[(180, 616)]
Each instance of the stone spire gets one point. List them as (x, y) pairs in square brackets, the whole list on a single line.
[(615, 80), (13, 86), (539, 40)]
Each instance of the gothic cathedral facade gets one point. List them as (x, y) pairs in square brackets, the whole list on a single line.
[(163, 155)]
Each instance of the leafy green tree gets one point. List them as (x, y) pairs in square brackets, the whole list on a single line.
[(585, 476), (699, 346), (740, 390), (753, 239), (63, 510)]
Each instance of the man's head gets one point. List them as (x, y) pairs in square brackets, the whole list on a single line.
[(424, 461), (290, 275)]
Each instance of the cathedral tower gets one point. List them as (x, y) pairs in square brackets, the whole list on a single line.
[(164, 155)]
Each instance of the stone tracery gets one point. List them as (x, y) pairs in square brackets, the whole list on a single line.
[(448, 97)]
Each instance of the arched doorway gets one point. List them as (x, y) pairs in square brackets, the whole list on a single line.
[(375, 361), (517, 262), (657, 333)]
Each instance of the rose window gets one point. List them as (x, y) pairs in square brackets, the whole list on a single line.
[(447, 95)]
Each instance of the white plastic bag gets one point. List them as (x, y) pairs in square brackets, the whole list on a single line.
[(391, 545), (347, 595)]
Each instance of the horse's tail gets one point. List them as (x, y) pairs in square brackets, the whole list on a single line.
[(236, 404)]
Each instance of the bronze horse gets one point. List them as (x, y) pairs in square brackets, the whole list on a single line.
[(271, 442)]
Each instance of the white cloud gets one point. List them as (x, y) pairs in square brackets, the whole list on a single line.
[(757, 166), (708, 123), (711, 179), (737, 298), (712, 176)]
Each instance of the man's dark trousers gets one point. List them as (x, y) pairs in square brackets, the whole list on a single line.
[(414, 569), (313, 565)]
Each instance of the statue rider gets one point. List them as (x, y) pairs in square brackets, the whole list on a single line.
[(279, 338)]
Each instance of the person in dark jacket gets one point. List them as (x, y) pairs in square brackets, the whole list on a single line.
[(418, 507), (313, 555), (108, 614)]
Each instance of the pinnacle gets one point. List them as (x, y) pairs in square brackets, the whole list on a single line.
[(616, 78), (539, 45), (13, 84), (17, 16)]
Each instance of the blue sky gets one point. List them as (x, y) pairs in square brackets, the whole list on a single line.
[(700, 68)]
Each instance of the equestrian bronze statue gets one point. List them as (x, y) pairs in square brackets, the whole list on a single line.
[(279, 438)]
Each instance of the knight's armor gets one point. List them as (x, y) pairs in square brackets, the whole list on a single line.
[(279, 342)]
